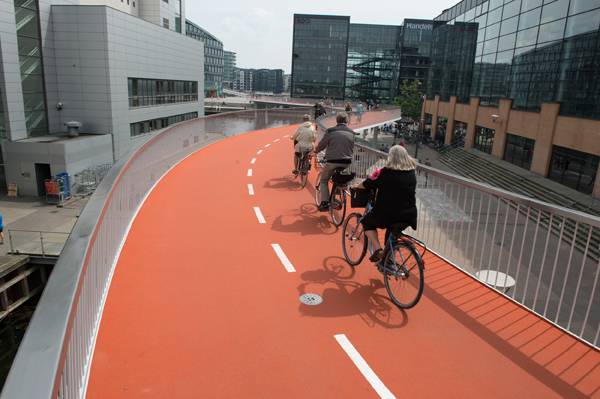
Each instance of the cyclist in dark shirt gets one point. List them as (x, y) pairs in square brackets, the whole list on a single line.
[(395, 201)]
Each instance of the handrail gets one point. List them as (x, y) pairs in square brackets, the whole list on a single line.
[(550, 251), (54, 356)]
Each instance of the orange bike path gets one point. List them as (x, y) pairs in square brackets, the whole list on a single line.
[(200, 305)]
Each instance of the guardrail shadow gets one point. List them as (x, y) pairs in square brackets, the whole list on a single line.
[(564, 364), (344, 297)]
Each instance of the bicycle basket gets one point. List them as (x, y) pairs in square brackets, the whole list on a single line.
[(342, 178), (359, 198)]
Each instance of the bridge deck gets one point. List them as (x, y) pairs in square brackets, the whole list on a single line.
[(201, 306)]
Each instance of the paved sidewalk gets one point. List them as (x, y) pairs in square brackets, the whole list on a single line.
[(35, 215)]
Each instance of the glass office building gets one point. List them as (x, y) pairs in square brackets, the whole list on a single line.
[(415, 51), (525, 75), (530, 51), (319, 54), (373, 59), (214, 59), (229, 65)]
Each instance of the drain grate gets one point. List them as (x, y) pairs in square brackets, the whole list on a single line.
[(311, 299)]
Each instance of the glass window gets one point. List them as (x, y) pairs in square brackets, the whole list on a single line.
[(481, 21), (495, 3), (574, 169), (492, 31), (479, 49), (527, 37), (509, 25), (490, 46), (578, 6), (519, 150), (552, 31), (582, 23), (555, 10), (484, 139), (507, 42), (530, 4), (511, 9), (504, 57), (494, 16), (530, 18)]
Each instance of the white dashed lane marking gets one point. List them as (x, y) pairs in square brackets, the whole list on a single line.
[(283, 258), (363, 367), (259, 152), (250, 189), (253, 161), (259, 215), (249, 172)]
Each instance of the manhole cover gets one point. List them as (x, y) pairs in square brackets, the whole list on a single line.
[(311, 299)]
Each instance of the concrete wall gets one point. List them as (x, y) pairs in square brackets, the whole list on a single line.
[(121, 5), (63, 155), (546, 127), (107, 47)]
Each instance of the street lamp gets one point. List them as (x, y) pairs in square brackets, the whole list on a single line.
[(421, 126)]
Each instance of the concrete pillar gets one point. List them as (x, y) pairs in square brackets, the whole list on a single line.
[(596, 192), (501, 125), (434, 116), (542, 152), (450, 125), (471, 121)]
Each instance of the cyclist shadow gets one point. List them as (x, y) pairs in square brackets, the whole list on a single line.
[(306, 221), (282, 183), (344, 297)]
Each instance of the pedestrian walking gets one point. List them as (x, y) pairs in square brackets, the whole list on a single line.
[(348, 109), (360, 110)]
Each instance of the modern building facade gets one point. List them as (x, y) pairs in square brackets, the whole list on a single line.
[(373, 60), (319, 56), (259, 80), (522, 78), (108, 69), (332, 57), (229, 65), (214, 57)]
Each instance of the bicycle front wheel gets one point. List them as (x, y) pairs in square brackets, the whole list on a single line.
[(354, 240), (337, 205), (403, 275)]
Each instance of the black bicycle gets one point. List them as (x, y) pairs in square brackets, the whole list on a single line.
[(402, 265), (338, 185), (303, 167)]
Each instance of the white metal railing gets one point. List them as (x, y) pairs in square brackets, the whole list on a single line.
[(37, 243), (542, 256), (54, 357)]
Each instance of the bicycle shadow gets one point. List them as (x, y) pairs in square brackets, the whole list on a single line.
[(306, 221), (345, 297), (282, 183)]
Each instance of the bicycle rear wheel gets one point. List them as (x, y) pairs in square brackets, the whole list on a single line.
[(337, 205), (318, 190), (354, 240), (403, 275)]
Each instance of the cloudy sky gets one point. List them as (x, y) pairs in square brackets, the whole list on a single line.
[(260, 31)]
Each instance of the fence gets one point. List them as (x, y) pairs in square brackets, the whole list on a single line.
[(86, 181), (551, 253), (54, 357), (36, 243)]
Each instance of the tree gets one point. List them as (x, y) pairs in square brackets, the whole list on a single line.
[(410, 99)]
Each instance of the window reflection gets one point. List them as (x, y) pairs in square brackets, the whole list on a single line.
[(574, 169), (519, 150), (484, 139)]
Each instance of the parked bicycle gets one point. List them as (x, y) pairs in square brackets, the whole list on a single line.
[(338, 184), (402, 265)]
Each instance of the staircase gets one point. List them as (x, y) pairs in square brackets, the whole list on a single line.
[(477, 168)]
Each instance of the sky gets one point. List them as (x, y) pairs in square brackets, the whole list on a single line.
[(260, 31)]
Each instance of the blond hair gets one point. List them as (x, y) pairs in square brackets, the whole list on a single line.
[(398, 159)]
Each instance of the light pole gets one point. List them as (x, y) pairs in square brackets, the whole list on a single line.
[(421, 125)]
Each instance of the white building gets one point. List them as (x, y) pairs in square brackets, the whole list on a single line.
[(111, 66)]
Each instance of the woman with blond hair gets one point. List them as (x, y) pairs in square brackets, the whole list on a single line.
[(395, 185)]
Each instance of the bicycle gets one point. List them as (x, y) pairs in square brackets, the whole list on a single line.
[(303, 167), (337, 193), (402, 265)]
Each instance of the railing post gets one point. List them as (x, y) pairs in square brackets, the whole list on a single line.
[(42, 243), (10, 241)]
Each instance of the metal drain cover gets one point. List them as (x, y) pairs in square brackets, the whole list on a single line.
[(311, 299)]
